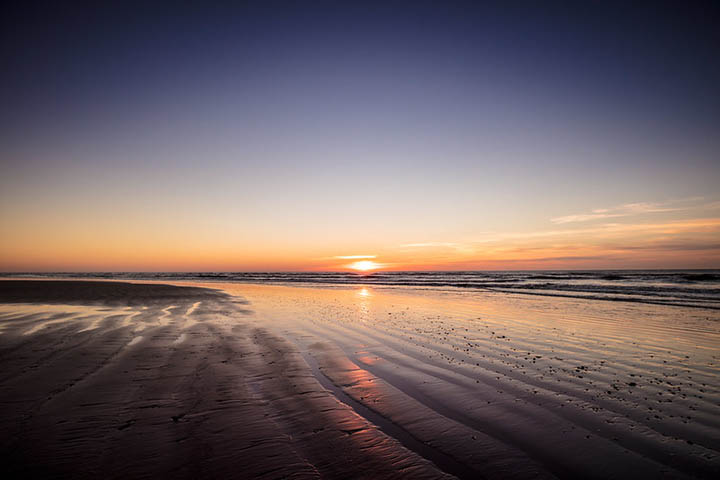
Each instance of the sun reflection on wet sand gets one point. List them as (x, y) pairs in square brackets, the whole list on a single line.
[(590, 376)]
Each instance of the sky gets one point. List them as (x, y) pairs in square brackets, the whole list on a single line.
[(294, 136)]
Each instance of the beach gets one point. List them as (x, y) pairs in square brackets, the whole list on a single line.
[(241, 380)]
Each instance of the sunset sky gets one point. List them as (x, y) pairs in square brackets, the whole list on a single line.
[(313, 135)]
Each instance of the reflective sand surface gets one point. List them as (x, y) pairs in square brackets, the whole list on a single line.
[(361, 382), (576, 387)]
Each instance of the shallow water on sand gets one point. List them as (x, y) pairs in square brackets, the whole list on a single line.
[(698, 288), (571, 387), (358, 381)]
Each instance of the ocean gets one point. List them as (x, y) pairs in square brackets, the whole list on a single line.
[(689, 288)]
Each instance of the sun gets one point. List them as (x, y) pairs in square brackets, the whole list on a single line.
[(364, 265)]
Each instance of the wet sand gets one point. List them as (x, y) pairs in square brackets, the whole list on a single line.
[(115, 379)]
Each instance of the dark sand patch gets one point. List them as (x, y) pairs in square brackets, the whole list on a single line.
[(98, 292)]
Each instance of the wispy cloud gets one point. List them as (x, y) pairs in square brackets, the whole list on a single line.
[(632, 243), (712, 206), (614, 229), (430, 245), (687, 246), (630, 209), (353, 257), (585, 217)]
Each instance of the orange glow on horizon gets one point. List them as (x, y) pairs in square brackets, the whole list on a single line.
[(364, 265), (92, 245)]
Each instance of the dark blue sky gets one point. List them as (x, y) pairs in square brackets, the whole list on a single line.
[(648, 59)]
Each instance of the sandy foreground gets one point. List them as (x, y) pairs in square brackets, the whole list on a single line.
[(115, 379)]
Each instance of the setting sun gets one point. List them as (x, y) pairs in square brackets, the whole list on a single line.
[(364, 265)]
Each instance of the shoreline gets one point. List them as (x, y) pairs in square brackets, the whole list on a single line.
[(514, 403), (682, 288)]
